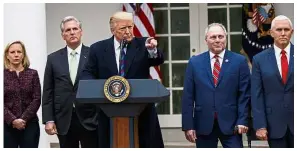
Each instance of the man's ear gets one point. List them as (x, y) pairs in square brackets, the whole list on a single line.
[(271, 33), (81, 32), (62, 36), (112, 31)]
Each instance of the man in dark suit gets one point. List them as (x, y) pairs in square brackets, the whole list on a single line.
[(73, 123), (216, 94), (273, 87), (105, 60)]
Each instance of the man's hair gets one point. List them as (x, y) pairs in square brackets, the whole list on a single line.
[(212, 25), (280, 17), (25, 61), (67, 19), (119, 16)]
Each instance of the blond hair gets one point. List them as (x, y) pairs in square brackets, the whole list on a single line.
[(25, 61), (119, 16)]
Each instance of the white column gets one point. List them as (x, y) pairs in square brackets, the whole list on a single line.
[(27, 22)]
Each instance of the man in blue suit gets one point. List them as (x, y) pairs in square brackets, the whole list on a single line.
[(105, 60), (273, 87), (216, 94)]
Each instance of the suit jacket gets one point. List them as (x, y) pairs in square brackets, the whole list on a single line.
[(272, 101), (22, 95), (59, 93), (102, 65), (229, 99)]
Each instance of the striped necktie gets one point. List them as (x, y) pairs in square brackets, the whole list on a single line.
[(216, 70), (122, 60)]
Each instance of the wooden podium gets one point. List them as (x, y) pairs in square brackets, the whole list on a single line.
[(123, 115)]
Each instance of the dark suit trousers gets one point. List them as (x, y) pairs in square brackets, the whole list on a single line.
[(78, 134), (286, 141), (211, 140), (150, 135), (27, 138)]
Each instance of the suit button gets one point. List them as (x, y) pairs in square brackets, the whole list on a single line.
[(285, 105)]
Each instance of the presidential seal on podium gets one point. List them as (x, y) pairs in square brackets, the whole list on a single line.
[(116, 89)]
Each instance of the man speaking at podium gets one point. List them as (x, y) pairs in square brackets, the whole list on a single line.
[(130, 57)]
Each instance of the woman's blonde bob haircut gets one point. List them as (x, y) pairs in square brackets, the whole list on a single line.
[(25, 61)]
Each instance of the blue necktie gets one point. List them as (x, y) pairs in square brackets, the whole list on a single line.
[(122, 60)]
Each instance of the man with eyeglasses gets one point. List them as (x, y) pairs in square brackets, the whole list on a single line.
[(130, 57), (73, 123), (216, 94)]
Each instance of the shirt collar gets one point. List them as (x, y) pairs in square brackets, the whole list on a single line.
[(278, 50), (77, 50), (221, 55), (116, 43)]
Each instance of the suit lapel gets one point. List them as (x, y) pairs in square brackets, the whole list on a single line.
[(225, 65), (82, 59), (109, 57), (207, 62), (132, 49), (65, 64), (272, 59), (291, 63)]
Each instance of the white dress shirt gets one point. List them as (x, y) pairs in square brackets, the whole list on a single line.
[(213, 60), (278, 56), (117, 51)]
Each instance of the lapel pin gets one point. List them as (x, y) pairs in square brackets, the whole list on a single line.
[(85, 56), (226, 60)]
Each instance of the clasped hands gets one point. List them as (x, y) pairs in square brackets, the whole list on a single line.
[(19, 124)]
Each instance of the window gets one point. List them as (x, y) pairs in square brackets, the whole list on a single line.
[(173, 34), (230, 15)]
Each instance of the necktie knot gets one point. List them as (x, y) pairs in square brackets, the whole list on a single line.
[(216, 57), (73, 53), (283, 52)]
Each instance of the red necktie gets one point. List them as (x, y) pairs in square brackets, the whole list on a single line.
[(285, 66), (216, 70), (216, 73)]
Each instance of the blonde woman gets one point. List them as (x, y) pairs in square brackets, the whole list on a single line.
[(22, 98)]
